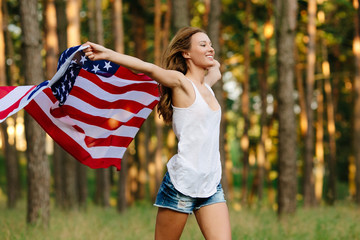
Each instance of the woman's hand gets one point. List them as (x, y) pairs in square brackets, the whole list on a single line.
[(95, 51), (213, 74), (216, 65)]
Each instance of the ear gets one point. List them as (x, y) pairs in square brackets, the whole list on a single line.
[(186, 55)]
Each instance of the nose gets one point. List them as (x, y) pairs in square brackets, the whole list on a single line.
[(212, 49)]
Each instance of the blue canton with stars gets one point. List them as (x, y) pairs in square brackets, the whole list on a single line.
[(61, 89)]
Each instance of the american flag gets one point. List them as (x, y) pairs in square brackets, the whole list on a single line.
[(93, 109)]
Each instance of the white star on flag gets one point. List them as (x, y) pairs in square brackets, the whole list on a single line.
[(96, 68), (107, 65)]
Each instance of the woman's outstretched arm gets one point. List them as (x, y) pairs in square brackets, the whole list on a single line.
[(168, 78)]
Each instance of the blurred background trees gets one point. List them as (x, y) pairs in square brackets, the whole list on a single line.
[(289, 94)]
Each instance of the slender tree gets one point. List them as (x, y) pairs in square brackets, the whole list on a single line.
[(59, 153), (73, 39), (318, 169), (118, 26), (61, 24), (286, 12), (331, 128), (67, 190), (52, 51), (102, 195), (38, 170), (10, 153), (310, 79), (245, 106), (156, 166), (263, 163), (51, 40), (356, 134), (264, 135), (181, 17), (137, 10), (167, 23), (213, 30)]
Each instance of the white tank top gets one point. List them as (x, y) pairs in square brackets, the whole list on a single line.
[(195, 170)]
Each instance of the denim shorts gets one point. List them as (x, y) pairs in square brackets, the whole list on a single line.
[(169, 197)]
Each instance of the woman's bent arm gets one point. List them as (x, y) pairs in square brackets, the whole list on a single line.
[(213, 74)]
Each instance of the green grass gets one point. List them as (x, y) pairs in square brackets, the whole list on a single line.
[(324, 222)]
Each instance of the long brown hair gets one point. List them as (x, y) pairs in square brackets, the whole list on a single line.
[(174, 60)]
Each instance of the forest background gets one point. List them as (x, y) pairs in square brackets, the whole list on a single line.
[(289, 94)]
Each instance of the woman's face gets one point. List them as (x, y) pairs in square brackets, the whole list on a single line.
[(201, 52)]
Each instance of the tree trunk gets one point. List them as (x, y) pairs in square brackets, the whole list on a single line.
[(118, 26), (330, 111), (263, 162), (91, 6), (310, 78), (59, 152), (73, 18), (156, 167), (318, 170), (142, 139), (13, 186), (121, 197), (286, 12), (38, 209), (302, 98), (64, 164), (138, 14), (65, 173), (206, 14), (73, 39), (117, 23), (61, 23), (245, 106), (356, 134), (51, 39), (167, 21), (213, 30), (264, 135), (181, 17), (102, 192)]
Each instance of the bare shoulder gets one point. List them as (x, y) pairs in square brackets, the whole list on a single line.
[(183, 95), (172, 79)]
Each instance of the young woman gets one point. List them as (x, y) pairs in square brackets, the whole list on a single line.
[(192, 182)]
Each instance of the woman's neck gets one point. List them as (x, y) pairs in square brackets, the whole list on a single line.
[(197, 75)]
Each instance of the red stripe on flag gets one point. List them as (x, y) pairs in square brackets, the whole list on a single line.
[(103, 122), (125, 73), (148, 87), (4, 114), (117, 141), (128, 105), (68, 143), (4, 90)]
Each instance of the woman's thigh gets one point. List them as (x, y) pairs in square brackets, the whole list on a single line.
[(169, 224), (214, 221)]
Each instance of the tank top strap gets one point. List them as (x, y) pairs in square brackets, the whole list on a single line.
[(197, 93), (210, 89)]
